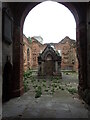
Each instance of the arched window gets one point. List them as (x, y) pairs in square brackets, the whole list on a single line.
[(49, 57), (28, 54)]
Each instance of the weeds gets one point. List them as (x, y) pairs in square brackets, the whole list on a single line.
[(72, 90), (27, 74), (38, 92), (26, 86), (48, 87)]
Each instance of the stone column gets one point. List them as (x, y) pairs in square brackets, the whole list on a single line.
[(18, 88), (59, 69), (56, 66), (0, 60), (87, 90), (42, 68), (88, 46), (82, 54), (39, 68)]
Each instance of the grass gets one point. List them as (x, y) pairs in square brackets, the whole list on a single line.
[(43, 85)]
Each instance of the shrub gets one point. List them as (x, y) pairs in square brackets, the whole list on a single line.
[(46, 90), (38, 92), (26, 87), (34, 86), (62, 88), (44, 80), (27, 74), (44, 85), (72, 90), (52, 90)]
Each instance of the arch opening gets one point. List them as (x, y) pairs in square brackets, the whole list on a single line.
[(16, 84), (73, 64)]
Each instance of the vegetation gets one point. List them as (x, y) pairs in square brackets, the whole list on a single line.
[(29, 39), (40, 86), (72, 90), (27, 74), (26, 85), (38, 92)]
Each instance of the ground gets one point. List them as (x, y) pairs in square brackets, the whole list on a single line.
[(48, 98)]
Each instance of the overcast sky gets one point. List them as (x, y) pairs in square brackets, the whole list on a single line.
[(50, 20)]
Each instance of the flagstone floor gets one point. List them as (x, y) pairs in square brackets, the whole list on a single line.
[(60, 104)]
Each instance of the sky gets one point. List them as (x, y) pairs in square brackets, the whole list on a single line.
[(50, 20)]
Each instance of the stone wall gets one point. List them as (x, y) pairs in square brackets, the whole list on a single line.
[(67, 48), (36, 48), (68, 53), (6, 47), (27, 54), (7, 55)]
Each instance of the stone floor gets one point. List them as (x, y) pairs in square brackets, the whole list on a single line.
[(59, 105)]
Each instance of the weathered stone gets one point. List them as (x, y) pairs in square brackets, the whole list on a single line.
[(49, 62), (66, 47)]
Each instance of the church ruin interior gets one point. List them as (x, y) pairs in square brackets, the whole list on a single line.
[(18, 54)]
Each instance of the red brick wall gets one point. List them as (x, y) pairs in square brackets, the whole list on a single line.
[(35, 48), (27, 63), (68, 52)]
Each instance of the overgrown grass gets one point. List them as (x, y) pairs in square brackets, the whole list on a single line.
[(26, 85), (42, 85), (27, 74)]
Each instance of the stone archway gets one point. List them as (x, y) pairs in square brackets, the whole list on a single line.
[(68, 5), (81, 34)]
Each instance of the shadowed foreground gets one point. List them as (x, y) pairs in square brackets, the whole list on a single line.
[(60, 104)]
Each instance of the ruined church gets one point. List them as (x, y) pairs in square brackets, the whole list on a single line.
[(66, 48), (12, 44)]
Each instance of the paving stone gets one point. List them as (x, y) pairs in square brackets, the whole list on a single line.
[(59, 105)]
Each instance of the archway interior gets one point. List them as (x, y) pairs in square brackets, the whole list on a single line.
[(51, 22)]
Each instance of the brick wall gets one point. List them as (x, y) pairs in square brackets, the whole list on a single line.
[(66, 46), (68, 52), (27, 54)]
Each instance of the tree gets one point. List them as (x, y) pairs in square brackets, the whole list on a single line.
[(29, 39)]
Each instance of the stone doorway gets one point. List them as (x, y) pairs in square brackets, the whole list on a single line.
[(49, 67)]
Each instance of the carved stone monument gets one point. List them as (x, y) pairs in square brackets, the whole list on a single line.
[(49, 62)]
